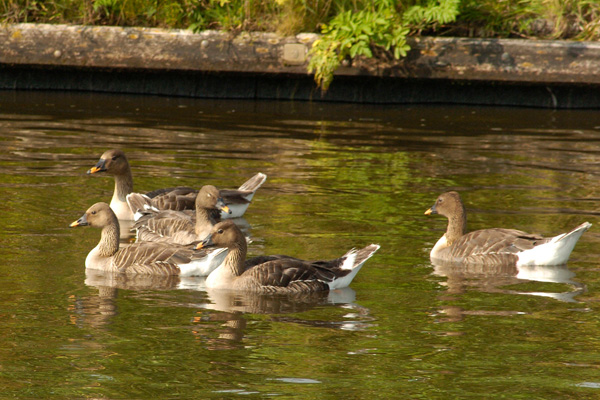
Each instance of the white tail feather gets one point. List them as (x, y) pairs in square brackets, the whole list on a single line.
[(555, 252), (252, 184), (354, 263)]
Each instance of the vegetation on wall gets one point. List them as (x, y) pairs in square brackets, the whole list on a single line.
[(349, 28), (376, 28)]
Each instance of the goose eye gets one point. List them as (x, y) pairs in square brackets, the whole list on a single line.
[(220, 231), (93, 212), (114, 158)]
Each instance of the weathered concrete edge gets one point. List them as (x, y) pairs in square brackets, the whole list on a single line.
[(496, 60)]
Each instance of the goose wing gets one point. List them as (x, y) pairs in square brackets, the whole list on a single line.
[(282, 273), (154, 258), (232, 196), (166, 226), (179, 198), (181, 190), (493, 246)]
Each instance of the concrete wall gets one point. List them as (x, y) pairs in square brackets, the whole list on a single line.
[(213, 64)]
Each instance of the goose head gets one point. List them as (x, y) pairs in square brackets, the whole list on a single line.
[(210, 198), (224, 234), (113, 162), (448, 205), (99, 215)]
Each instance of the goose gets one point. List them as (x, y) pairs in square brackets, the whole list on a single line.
[(496, 246), (278, 274), (142, 258), (179, 227), (114, 162)]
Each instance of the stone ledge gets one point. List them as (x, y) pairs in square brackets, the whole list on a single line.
[(500, 60), (213, 64), (151, 49)]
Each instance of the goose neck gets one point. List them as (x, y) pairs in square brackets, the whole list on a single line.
[(109, 241), (236, 257), (457, 226), (123, 185)]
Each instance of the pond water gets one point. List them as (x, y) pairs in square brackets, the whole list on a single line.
[(339, 176)]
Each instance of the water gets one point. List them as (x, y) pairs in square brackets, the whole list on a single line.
[(339, 176)]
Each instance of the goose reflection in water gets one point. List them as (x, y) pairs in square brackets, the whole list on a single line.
[(257, 303), (225, 307), (99, 310), (230, 308), (492, 279)]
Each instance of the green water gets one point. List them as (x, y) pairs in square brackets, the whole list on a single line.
[(339, 176)]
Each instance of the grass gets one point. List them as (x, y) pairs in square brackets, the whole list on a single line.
[(545, 19)]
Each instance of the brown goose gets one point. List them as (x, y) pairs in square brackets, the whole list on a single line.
[(142, 258), (278, 274), (179, 227), (114, 163), (496, 245)]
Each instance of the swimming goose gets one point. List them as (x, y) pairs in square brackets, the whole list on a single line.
[(278, 274), (176, 226), (496, 245), (142, 258), (114, 162)]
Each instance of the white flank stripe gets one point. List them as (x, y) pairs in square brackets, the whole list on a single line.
[(204, 266)]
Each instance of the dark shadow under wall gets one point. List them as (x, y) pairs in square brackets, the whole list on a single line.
[(351, 89)]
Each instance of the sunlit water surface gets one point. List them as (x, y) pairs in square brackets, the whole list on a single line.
[(339, 176)]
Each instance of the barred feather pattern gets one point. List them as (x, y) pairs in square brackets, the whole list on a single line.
[(114, 162), (178, 227), (277, 274), (179, 198), (153, 258), (493, 246), (175, 198), (496, 246), (166, 227), (137, 258)]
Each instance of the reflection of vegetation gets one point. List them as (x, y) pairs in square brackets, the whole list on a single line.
[(545, 287), (345, 185), (355, 195)]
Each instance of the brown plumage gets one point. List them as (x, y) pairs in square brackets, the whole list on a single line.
[(114, 163), (278, 274), (179, 227), (496, 246), (142, 258)]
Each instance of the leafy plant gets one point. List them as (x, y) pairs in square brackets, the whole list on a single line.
[(431, 13), (351, 34), (358, 33)]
